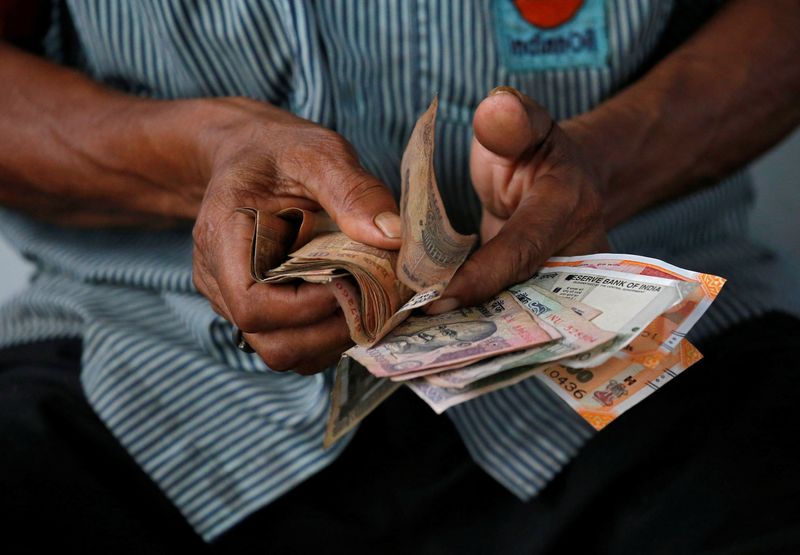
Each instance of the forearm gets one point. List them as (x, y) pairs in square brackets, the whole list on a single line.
[(708, 108), (76, 152)]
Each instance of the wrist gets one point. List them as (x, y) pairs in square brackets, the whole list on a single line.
[(118, 152), (161, 140)]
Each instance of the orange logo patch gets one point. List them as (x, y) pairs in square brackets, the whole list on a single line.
[(547, 14)]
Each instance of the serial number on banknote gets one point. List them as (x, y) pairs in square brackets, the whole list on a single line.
[(564, 379)]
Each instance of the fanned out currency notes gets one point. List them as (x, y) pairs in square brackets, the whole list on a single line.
[(600, 332), (430, 344), (617, 327), (627, 303), (355, 394), (377, 289), (599, 394), (578, 336)]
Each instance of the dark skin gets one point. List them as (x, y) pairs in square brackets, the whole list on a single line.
[(71, 152)]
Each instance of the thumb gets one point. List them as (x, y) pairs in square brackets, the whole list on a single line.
[(362, 207), (508, 123), (508, 128)]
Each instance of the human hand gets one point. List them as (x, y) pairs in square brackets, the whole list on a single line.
[(541, 196), (265, 158)]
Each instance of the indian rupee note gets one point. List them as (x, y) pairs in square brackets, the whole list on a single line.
[(432, 250), (442, 398), (355, 394), (578, 335), (679, 318), (601, 394), (629, 303), (424, 344)]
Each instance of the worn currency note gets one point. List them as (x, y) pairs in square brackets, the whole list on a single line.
[(442, 398), (355, 394), (578, 335), (360, 276), (432, 250), (376, 289), (426, 344), (274, 235)]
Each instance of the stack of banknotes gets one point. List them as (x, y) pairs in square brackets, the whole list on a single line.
[(601, 331)]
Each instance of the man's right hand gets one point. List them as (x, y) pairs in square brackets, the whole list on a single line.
[(262, 157)]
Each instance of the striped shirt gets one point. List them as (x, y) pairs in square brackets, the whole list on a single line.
[(220, 433)]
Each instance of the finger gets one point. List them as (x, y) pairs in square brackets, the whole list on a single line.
[(303, 347), (207, 286), (509, 129), (537, 229), (508, 123), (257, 306), (362, 206)]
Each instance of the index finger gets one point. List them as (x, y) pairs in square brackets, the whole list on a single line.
[(258, 306)]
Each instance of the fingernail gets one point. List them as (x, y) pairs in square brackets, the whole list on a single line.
[(510, 90), (442, 305), (389, 224), (505, 89)]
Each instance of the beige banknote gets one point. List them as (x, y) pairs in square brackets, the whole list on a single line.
[(432, 250), (360, 276), (376, 289)]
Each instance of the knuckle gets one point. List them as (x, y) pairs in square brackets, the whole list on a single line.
[(245, 318), (360, 188), (280, 358), (321, 147), (199, 275), (589, 211), (593, 201), (317, 157), (329, 141)]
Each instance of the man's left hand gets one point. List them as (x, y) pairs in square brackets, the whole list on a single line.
[(541, 197)]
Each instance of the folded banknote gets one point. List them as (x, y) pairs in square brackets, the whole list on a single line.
[(616, 326), (601, 331)]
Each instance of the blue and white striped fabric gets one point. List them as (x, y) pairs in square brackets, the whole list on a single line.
[(220, 433)]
